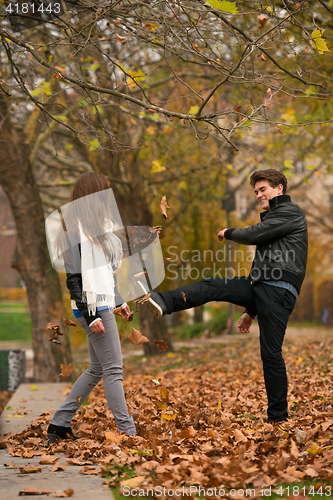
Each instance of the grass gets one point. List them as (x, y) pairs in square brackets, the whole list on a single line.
[(13, 305), (15, 326)]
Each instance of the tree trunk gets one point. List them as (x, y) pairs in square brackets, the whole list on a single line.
[(135, 211), (31, 257)]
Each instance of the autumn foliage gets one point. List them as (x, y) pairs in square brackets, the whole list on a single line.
[(202, 420)]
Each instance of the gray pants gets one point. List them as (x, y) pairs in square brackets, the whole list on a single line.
[(105, 361)]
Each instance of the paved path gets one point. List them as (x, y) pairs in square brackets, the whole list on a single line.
[(47, 397)]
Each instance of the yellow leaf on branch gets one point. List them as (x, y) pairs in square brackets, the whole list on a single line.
[(319, 42)]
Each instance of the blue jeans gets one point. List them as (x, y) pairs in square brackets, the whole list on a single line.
[(106, 362)]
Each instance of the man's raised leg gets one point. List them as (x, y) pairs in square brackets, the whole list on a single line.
[(238, 291)]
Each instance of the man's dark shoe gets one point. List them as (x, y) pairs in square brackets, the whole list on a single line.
[(155, 304), (55, 432)]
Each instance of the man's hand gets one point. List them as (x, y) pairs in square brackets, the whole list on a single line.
[(98, 327), (126, 312), (220, 235), (244, 323)]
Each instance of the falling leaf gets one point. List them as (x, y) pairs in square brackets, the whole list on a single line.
[(164, 394), (69, 322), (137, 338), (120, 39), (184, 296), (262, 20), (66, 370), (161, 345), (160, 405), (163, 206), (155, 381), (225, 6), (319, 42)]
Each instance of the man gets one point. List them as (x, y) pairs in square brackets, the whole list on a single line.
[(270, 291)]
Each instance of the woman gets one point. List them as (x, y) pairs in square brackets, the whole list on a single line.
[(92, 253)]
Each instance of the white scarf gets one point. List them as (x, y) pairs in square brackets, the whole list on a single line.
[(97, 273)]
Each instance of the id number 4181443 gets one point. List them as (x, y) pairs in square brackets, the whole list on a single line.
[(31, 8)]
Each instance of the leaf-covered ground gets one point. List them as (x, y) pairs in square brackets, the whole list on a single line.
[(202, 415)]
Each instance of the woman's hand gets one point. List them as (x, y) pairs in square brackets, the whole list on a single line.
[(98, 327), (126, 312)]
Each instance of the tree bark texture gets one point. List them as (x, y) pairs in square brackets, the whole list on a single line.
[(31, 257)]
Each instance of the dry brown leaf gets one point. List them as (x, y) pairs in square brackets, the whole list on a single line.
[(261, 57), (66, 370), (58, 467), (69, 322), (31, 490), (30, 469), (78, 399), (163, 207), (132, 482), (262, 20), (137, 338), (64, 494), (161, 345), (113, 437), (117, 311), (120, 39), (48, 459)]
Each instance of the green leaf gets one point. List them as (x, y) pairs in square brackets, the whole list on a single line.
[(46, 87), (62, 118), (288, 164), (94, 144), (229, 7), (155, 117), (319, 42), (94, 66), (306, 180), (66, 183), (69, 147), (35, 92), (193, 110), (311, 167), (311, 90), (97, 108), (157, 167), (288, 174)]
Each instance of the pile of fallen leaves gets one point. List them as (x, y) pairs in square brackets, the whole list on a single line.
[(202, 416)]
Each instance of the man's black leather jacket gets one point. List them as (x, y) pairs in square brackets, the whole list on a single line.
[(282, 242)]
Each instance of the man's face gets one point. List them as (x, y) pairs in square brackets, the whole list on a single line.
[(265, 192)]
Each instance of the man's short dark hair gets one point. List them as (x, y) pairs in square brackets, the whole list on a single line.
[(274, 177)]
